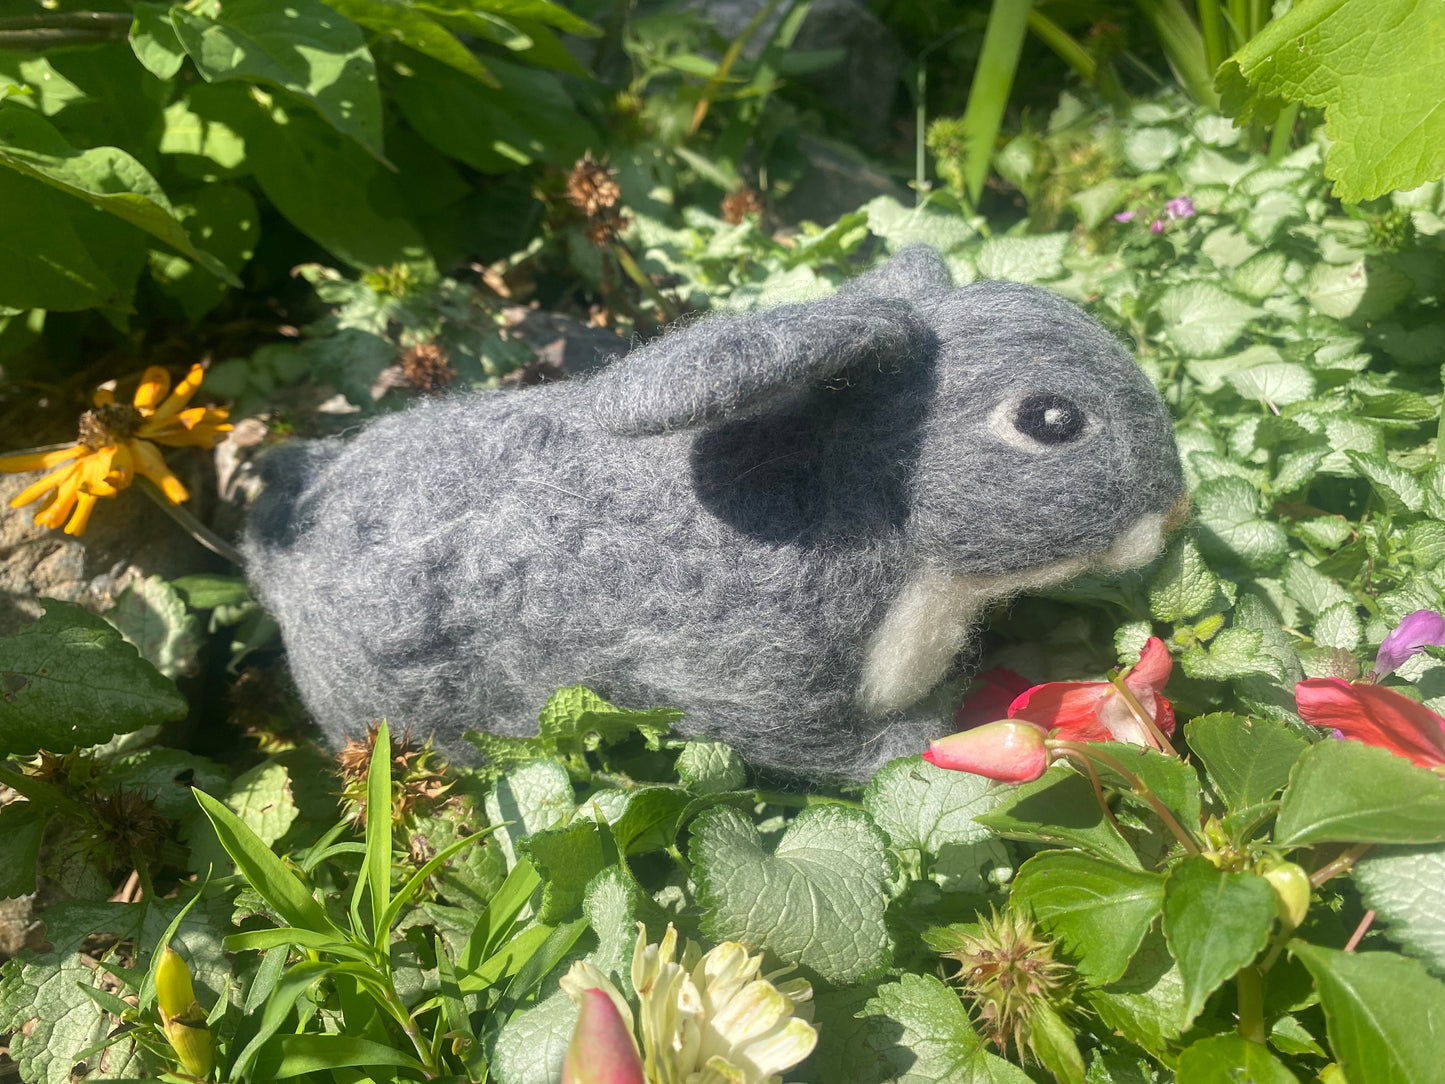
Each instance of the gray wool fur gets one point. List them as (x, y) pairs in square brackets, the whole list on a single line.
[(784, 523)]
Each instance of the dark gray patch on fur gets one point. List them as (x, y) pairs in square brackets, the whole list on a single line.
[(717, 522)]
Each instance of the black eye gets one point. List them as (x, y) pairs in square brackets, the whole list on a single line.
[(1049, 418)]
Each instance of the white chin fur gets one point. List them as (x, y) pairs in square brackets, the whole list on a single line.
[(931, 619)]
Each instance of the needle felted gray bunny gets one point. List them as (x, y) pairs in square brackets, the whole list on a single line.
[(784, 523)]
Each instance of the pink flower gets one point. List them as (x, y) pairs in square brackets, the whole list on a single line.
[(1157, 226), (1180, 207), (1408, 639), (602, 1050), (1125, 216), (1376, 716), (1000, 687), (1096, 711), (1011, 752)]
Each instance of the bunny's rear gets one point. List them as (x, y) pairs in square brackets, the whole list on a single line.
[(784, 523)]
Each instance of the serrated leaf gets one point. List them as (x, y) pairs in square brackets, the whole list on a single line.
[(576, 711), (1022, 259), (1231, 1059), (1201, 320), (1215, 923), (1384, 1013), (567, 859), (254, 41), (1338, 626), (534, 796), (1361, 292), (710, 767), (1258, 276), (1235, 652), (899, 226), (1059, 809), (1099, 910), (70, 680), (1349, 792), (612, 904), (917, 1031), (1279, 384), (1248, 760), (1405, 887), (817, 900), (926, 808), (1397, 487), (1147, 1005), (1232, 525), (1311, 588), (530, 1046), (1182, 585), (151, 615)]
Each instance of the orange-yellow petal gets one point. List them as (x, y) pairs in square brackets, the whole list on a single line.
[(53, 480), (148, 461), (153, 385), (122, 467), (84, 503), (182, 395), (104, 395), (57, 511), (15, 464)]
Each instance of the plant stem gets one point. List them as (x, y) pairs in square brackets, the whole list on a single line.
[(1359, 934), (1145, 719), (1136, 785), (32, 33), (1341, 864), (1099, 794), (1249, 996), (190, 524)]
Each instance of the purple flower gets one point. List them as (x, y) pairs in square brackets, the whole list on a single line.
[(1409, 639), (1157, 226), (1180, 207), (1125, 216)]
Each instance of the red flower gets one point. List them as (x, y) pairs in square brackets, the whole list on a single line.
[(601, 1050), (1096, 711), (1007, 751), (1375, 715)]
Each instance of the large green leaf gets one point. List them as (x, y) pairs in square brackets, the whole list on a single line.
[(567, 859), (1384, 1012), (1375, 69), (1405, 887), (816, 900), (1201, 320), (1233, 526), (304, 47), (21, 826), (105, 177), (70, 680), (1215, 923), (1100, 911), (411, 26), (1349, 792), (44, 260), (1146, 1006), (1231, 1059), (1247, 759), (1060, 809)]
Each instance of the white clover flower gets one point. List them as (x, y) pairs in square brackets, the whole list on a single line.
[(708, 1018)]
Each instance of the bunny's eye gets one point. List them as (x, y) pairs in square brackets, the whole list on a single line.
[(1049, 418)]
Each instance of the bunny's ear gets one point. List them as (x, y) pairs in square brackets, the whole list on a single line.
[(916, 270), (727, 367)]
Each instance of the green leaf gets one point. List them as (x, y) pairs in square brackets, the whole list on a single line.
[(578, 712), (154, 42), (710, 767), (21, 826), (1349, 792), (1361, 292), (1182, 585), (45, 262), (1248, 760), (1279, 384), (1234, 653), (1146, 1006), (1385, 1014), (1339, 626), (225, 219), (1373, 69), (528, 118), (1311, 588), (297, 1055), (412, 27), (1258, 276), (266, 873), (567, 859), (1232, 524), (534, 796), (1231, 1059), (1100, 911), (530, 1046), (1034, 258), (917, 1031), (926, 808), (1396, 487), (649, 820), (612, 905), (1059, 809), (1201, 320), (1173, 782), (899, 226), (817, 900), (206, 591), (107, 178), (376, 863), (1215, 923), (305, 48), (151, 615), (1405, 887), (70, 680)]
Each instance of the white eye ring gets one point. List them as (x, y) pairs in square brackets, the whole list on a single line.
[(1002, 421)]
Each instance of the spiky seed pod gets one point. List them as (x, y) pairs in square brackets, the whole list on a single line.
[(427, 368)]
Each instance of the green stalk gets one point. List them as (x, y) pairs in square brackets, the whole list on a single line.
[(1282, 135), (1183, 46), (190, 524), (32, 33), (1249, 995), (1064, 45), (1211, 25), (1137, 786), (988, 94)]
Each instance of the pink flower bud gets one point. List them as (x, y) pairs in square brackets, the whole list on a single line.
[(1011, 751), (602, 1050)]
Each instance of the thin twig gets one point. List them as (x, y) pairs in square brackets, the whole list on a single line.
[(1359, 934), (1341, 864)]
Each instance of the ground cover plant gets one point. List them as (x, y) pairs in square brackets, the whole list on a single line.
[(1192, 828)]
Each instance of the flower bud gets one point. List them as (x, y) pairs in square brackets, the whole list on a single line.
[(602, 1050), (192, 1044), (1011, 751), (1291, 891), (174, 992), (182, 1018)]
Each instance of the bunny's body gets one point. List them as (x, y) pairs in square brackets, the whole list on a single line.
[(783, 523)]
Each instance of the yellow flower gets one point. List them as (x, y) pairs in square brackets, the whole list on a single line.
[(114, 445), (182, 1019), (708, 1018)]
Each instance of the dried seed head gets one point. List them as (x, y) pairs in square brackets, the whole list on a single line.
[(737, 205), (109, 425), (418, 776), (427, 368), (591, 187)]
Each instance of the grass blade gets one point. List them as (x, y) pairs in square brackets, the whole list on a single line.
[(414, 883), (993, 80), (376, 876), (486, 935), (297, 1055)]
